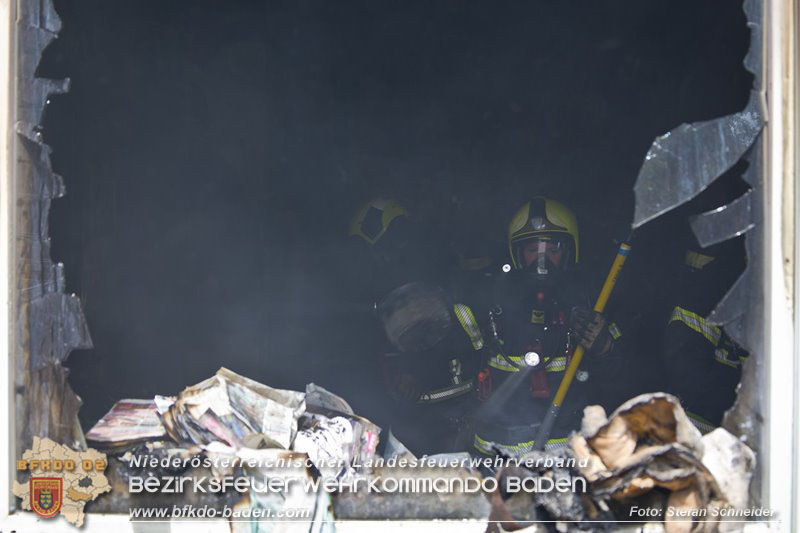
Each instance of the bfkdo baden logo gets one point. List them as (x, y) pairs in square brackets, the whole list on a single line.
[(62, 480), (46, 495)]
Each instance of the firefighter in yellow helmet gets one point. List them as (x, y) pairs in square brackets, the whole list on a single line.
[(390, 247), (373, 219), (427, 363), (539, 314), (543, 235)]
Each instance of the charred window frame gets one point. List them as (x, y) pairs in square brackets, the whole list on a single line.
[(40, 324), (757, 310)]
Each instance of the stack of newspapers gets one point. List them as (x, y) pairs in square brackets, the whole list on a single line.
[(128, 423), (233, 412), (230, 408)]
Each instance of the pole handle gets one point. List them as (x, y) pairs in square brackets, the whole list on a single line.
[(600, 304)]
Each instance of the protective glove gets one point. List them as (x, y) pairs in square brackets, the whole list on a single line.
[(590, 328)]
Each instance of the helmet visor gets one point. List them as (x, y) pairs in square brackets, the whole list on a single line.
[(543, 254)]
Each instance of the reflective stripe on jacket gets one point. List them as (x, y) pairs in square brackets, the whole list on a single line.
[(487, 447), (512, 363), (469, 324), (467, 320), (712, 333)]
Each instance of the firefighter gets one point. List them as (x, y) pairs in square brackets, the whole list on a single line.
[(391, 246), (428, 363), (384, 248), (702, 362), (539, 316), (431, 371)]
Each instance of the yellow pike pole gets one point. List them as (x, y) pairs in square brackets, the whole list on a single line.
[(599, 306)]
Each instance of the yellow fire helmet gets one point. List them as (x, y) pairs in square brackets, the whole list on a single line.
[(542, 217), (373, 219)]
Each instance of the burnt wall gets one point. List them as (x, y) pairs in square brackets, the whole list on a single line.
[(213, 154)]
